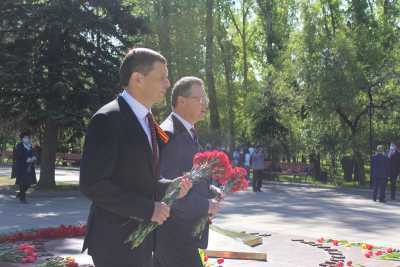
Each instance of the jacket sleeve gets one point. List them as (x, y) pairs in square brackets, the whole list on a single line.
[(99, 159)]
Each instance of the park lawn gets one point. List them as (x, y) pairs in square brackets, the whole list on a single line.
[(330, 184)]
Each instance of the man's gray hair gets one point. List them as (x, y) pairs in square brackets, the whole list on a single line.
[(183, 86)]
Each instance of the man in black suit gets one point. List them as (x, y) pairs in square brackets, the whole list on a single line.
[(120, 165), (176, 244), (394, 168)]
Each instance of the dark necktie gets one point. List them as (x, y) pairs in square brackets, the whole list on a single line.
[(194, 135), (154, 145)]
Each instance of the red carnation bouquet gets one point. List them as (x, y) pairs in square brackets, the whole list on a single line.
[(214, 164), (234, 182)]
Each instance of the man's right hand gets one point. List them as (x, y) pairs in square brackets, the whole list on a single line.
[(213, 206), (160, 213)]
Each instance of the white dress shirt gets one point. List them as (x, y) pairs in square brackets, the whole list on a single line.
[(140, 111)]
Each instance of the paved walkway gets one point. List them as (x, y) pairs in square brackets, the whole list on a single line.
[(65, 175), (285, 211)]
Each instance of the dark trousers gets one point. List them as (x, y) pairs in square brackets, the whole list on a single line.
[(257, 180), (104, 261), (173, 255), (380, 187), (393, 187), (22, 191)]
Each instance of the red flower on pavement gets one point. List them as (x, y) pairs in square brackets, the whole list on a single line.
[(335, 242), (220, 261), (378, 253), (389, 250), (349, 263), (370, 247), (321, 240), (70, 262), (339, 264), (368, 254), (46, 233)]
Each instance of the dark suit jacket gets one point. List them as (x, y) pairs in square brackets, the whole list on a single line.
[(379, 166), (176, 159), (116, 174), (24, 172), (394, 164)]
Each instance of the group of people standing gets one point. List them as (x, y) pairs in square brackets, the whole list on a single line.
[(253, 160), (129, 160), (385, 166)]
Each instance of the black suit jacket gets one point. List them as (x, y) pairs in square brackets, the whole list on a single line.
[(394, 164), (176, 159), (116, 174), (24, 172)]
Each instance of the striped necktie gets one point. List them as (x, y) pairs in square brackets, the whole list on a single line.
[(154, 145)]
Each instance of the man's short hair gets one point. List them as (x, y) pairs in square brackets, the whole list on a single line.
[(183, 88), (24, 133), (138, 60)]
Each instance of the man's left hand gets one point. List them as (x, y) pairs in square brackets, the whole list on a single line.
[(185, 185)]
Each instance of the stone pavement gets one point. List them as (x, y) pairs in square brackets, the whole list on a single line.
[(283, 210)]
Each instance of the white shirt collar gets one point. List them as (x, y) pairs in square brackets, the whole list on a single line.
[(138, 108), (185, 123)]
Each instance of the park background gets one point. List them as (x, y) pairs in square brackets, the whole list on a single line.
[(305, 79)]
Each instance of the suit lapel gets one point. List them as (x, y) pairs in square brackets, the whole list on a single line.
[(180, 130), (134, 128)]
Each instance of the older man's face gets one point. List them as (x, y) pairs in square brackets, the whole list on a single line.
[(197, 103)]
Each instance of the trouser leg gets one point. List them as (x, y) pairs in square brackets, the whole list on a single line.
[(393, 187), (254, 182), (22, 189), (375, 187), (382, 189), (259, 180)]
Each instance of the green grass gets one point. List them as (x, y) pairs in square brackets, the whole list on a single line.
[(313, 181)]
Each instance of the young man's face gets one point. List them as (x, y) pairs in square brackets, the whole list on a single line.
[(155, 83)]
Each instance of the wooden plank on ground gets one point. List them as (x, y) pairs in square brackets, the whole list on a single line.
[(258, 256)]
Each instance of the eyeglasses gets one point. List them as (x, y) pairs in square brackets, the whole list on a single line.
[(202, 100)]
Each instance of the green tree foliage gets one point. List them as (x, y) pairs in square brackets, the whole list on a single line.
[(62, 60)]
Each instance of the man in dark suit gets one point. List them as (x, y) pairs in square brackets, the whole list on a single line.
[(379, 173), (120, 165), (394, 168), (176, 244), (25, 159)]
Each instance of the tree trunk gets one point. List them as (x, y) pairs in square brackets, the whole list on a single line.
[(244, 45), (359, 172), (163, 12), (48, 155), (227, 56), (266, 7), (214, 115)]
